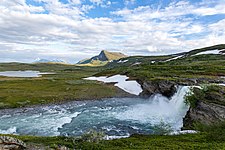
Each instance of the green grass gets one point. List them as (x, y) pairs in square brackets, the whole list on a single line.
[(209, 137), (208, 94), (201, 67), (67, 84), (180, 70), (190, 141)]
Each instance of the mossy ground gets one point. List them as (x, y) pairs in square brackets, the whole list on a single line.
[(67, 84), (189, 141), (194, 67)]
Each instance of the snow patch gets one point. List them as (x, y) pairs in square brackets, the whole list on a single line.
[(122, 61), (174, 58), (184, 132), (131, 86), (222, 84), (137, 63), (209, 52)]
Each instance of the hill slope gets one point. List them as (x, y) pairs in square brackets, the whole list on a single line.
[(216, 52), (103, 58)]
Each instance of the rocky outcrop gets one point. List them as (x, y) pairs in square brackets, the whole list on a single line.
[(209, 108), (10, 143), (204, 113), (166, 88)]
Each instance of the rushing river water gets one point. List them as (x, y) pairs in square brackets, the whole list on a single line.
[(116, 116)]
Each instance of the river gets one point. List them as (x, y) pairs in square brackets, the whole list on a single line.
[(117, 117)]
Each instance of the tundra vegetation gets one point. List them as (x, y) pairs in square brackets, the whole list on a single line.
[(67, 84)]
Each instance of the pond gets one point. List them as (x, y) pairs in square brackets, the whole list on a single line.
[(23, 74)]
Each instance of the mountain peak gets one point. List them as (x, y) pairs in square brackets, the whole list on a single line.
[(104, 57)]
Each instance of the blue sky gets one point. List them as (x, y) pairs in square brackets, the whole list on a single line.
[(75, 29)]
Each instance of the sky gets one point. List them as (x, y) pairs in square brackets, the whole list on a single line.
[(72, 30)]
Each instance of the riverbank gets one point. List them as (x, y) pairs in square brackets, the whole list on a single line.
[(65, 85), (186, 142)]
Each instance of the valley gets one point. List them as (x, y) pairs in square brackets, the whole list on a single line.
[(64, 94)]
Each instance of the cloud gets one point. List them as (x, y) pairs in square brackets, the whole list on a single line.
[(127, 2), (53, 29), (76, 2), (98, 2)]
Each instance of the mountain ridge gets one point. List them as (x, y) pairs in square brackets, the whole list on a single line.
[(103, 58), (38, 60)]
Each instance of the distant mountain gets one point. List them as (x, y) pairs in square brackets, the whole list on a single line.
[(103, 58), (49, 61)]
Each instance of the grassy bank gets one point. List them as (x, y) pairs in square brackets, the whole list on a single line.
[(67, 84), (190, 141)]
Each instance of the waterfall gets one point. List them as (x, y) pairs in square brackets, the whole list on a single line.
[(158, 109)]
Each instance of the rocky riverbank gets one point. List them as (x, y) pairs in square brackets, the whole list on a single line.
[(207, 106), (10, 143)]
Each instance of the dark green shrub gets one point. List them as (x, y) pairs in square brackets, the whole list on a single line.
[(200, 94)]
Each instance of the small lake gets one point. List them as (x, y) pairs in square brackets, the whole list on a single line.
[(117, 117), (23, 74)]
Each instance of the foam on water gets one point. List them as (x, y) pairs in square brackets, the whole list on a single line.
[(45, 123), (11, 130), (158, 109), (117, 117)]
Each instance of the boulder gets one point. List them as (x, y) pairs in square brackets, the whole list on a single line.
[(10, 143), (166, 88), (204, 113), (209, 108)]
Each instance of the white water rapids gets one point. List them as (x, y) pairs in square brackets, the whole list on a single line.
[(116, 116)]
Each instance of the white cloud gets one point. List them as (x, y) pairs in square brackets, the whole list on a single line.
[(98, 2), (66, 32), (127, 2), (76, 2)]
